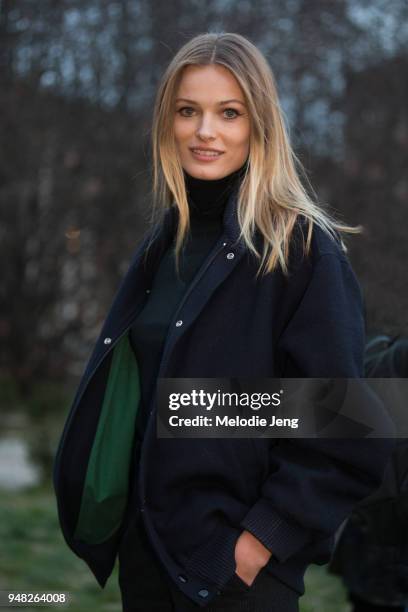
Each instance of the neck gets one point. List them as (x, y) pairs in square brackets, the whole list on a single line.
[(207, 197)]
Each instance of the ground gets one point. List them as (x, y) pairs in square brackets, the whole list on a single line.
[(34, 557)]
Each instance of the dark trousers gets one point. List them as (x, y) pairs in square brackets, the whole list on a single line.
[(146, 587)]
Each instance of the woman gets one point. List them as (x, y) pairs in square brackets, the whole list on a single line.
[(241, 275)]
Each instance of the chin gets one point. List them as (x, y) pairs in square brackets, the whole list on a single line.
[(198, 171)]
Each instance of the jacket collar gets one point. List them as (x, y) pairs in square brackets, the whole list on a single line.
[(230, 226), (144, 264)]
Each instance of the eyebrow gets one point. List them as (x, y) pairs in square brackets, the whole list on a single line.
[(220, 103)]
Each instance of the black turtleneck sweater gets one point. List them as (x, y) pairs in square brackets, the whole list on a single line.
[(207, 200)]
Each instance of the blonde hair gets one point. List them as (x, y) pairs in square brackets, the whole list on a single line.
[(271, 195)]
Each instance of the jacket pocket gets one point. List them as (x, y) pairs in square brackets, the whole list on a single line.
[(105, 491)]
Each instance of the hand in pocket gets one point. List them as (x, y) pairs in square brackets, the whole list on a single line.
[(250, 557)]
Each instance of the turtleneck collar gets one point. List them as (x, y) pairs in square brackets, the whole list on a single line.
[(207, 197)]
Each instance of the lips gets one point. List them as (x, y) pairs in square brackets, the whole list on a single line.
[(206, 152)]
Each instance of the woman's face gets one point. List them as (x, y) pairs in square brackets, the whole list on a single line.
[(211, 114)]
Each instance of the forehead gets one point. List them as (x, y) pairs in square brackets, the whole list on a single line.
[(209, 82)]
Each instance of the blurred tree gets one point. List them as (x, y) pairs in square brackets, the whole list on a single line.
[(375, 186), (78, 79)]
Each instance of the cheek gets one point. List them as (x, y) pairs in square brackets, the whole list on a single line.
[(181, 131), (240, 137), (241, 146)]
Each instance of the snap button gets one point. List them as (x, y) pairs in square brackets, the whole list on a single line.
[(230, 255), (107, 340), (224, 244), (203, 593), (182, 578), (147, 290), (179, 323)]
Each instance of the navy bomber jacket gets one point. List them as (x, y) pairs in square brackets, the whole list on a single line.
[(197, 495)]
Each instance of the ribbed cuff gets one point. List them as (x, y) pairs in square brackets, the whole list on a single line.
[(215, 560), (281, 536)]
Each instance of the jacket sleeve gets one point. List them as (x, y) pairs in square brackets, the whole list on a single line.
[(316, 482)]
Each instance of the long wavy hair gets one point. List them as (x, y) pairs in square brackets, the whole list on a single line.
[(271, 196)]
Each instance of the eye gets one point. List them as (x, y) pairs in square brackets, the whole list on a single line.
[(182, 112), (234, 111), (188, 108)]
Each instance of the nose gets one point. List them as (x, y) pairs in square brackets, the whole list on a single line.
[(206, 128)]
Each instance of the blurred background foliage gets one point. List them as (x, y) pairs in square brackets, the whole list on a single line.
[(77, 82)]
